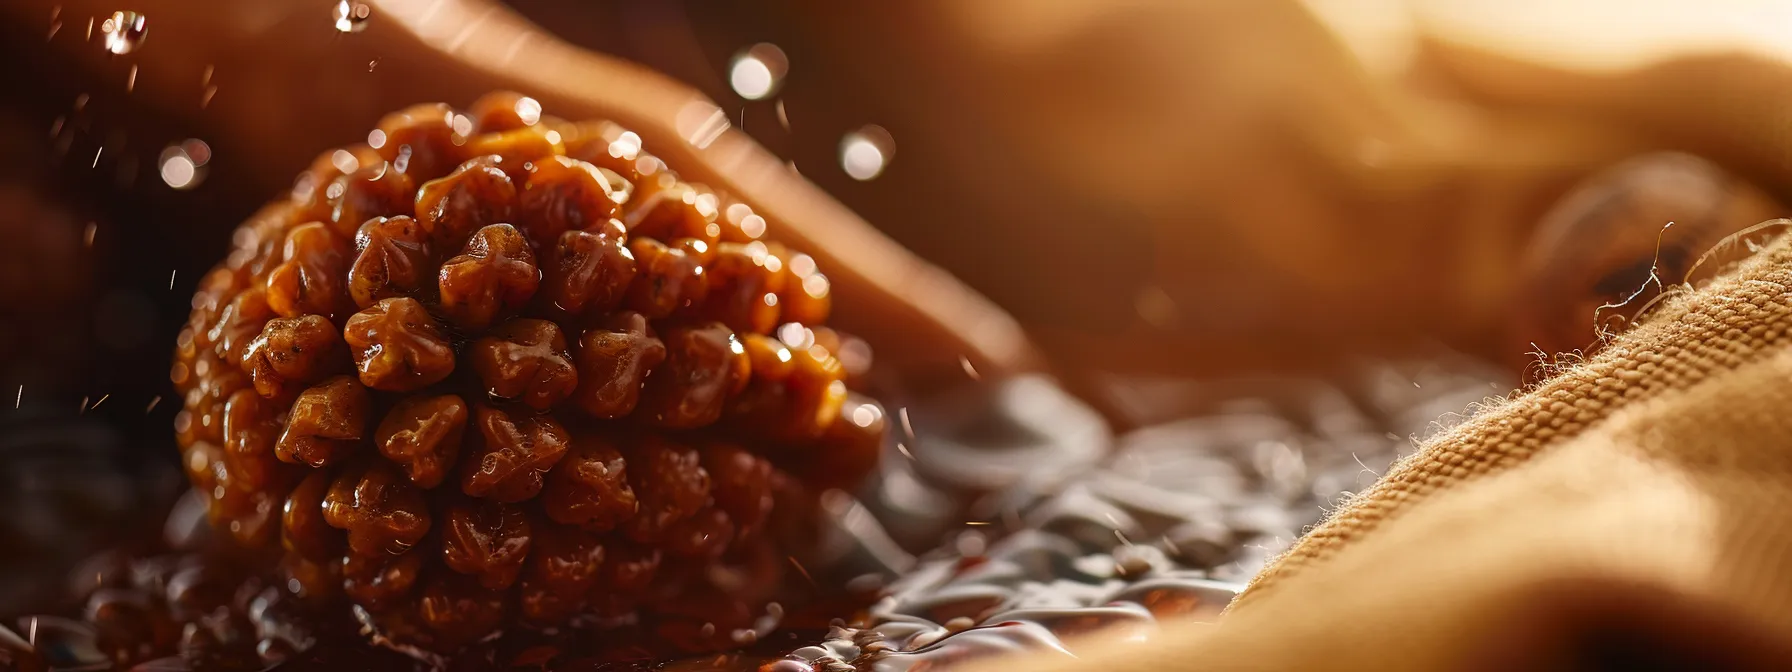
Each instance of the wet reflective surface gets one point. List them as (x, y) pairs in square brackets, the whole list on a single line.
[(919, 571)]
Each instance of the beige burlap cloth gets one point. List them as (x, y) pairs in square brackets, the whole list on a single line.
[(1638, 505), (1635, 511)]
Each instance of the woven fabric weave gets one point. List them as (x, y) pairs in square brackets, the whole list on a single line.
[(1639, 504)]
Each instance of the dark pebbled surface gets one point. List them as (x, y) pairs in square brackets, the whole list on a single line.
[(919, 570)]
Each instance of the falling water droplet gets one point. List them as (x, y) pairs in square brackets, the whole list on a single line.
[(528, 110), (351, 17), (124, 32), (180, 168), (758, 71), (865, 153)]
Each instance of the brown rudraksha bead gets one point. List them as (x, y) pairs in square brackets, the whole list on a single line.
[(495, 366)]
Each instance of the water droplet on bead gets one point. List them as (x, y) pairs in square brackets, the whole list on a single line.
[(344, 161), (351, 17), (816, 285), (758, 71), (865, 153), (626, 146), (528, 110), (124, 32), (865, 414), (802, 265), (753, 226), (796, 336), (757, 251)]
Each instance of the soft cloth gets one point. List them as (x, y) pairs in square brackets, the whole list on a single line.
[(1634, 510)]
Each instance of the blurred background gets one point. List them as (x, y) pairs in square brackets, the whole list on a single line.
[(1156, 191)]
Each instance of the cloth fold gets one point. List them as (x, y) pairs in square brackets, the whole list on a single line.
[(1635, 510), (1637, 507)]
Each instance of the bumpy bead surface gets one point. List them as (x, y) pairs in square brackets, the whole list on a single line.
[(613, 361), (423, 434), (704, 364), (326, 423), (590, 487), (512, 455), (587, 272), (421, 138), (494, 276), (391, 259), (476, 195), (398, 347), (525, 360), (382, 512), (564, 194), (495, 366), (291, 352), (666, 278), (310, 279), (378, 190)]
